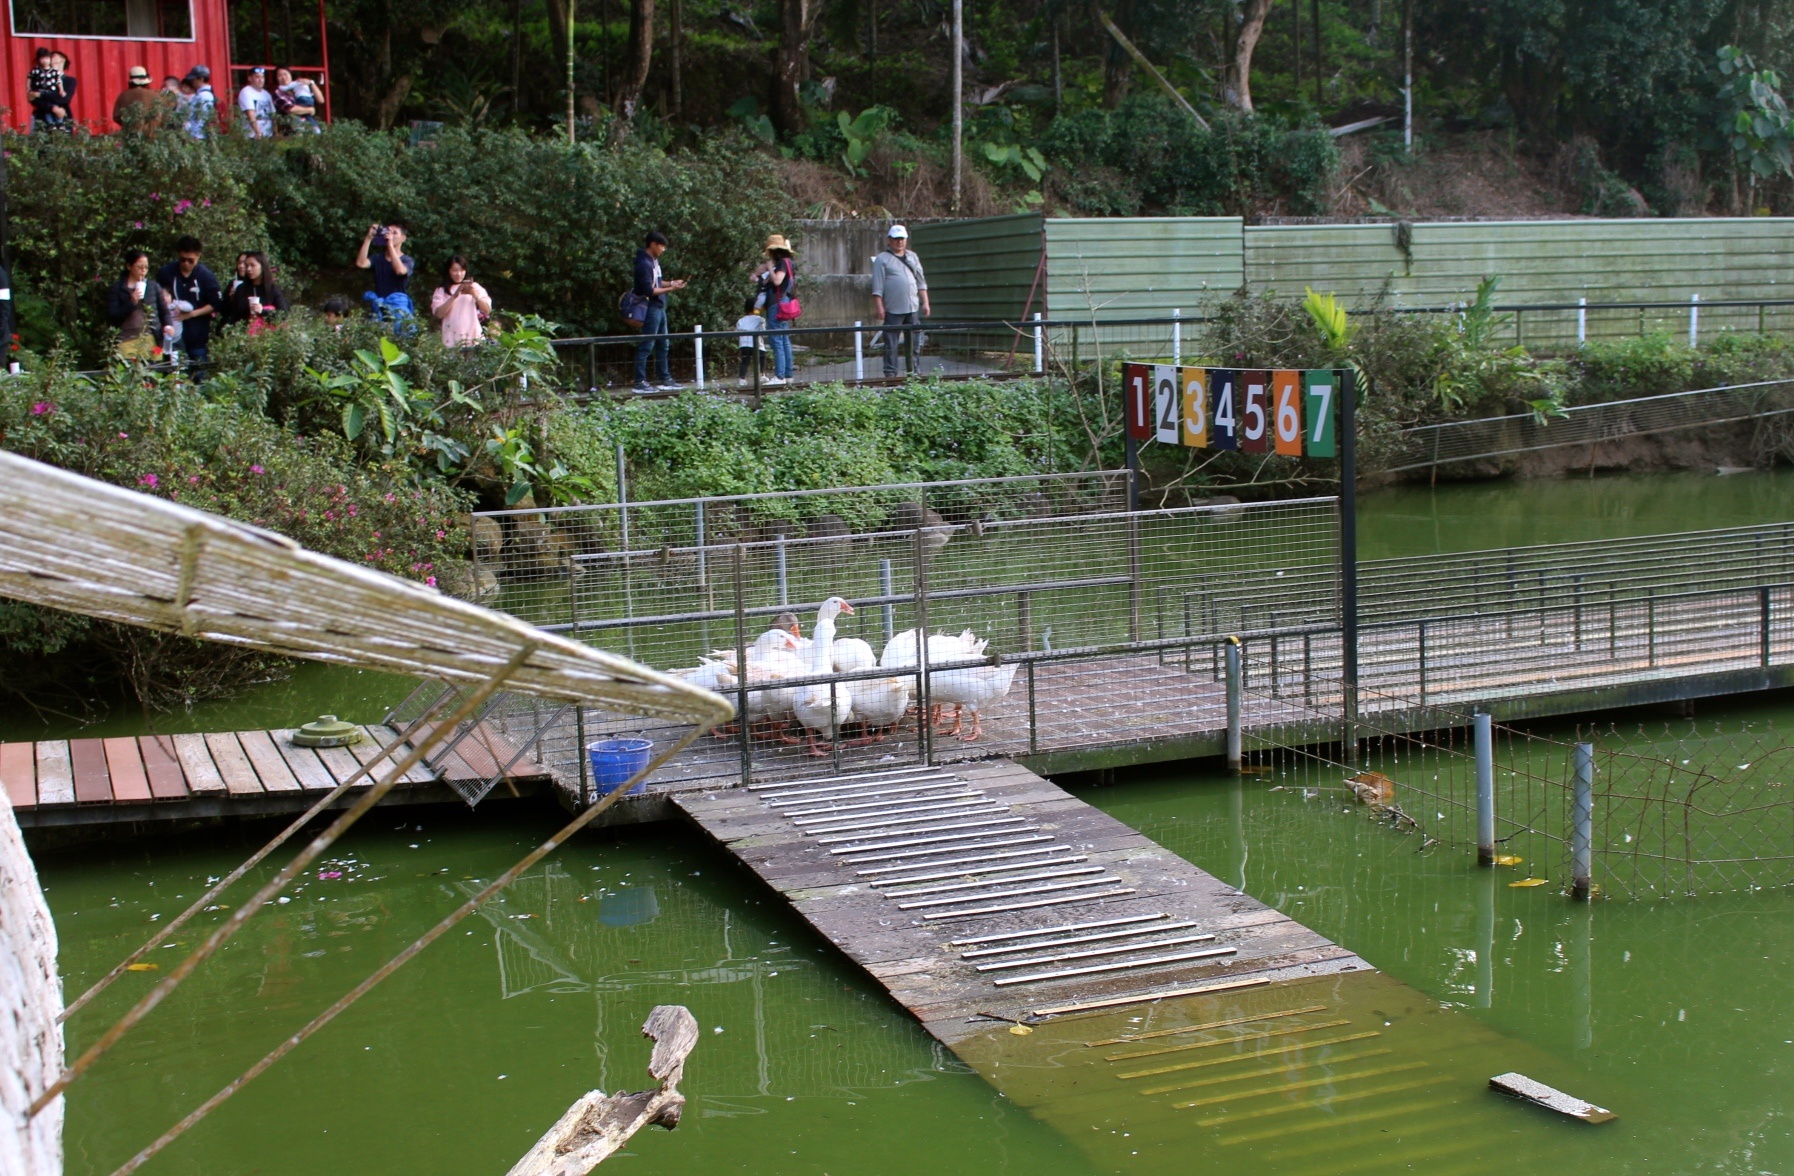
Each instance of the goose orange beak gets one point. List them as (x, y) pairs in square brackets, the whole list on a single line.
[(847, 608)]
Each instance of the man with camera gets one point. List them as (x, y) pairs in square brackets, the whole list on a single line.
[(383, 251)]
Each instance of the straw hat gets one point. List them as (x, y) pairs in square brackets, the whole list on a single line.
[(778, 242)]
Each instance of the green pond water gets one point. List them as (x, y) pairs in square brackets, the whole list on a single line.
[(1672, 1013)]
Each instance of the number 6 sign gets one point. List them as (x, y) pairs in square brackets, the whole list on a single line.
[(1286, 412)]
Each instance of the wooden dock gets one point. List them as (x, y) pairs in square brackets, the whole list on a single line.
[(1135, 1002), (922, 875), (132, 779)]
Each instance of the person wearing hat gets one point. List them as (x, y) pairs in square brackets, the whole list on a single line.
[(201, 103), (775, 281), (899, 294), (257, 105), (138, 106)]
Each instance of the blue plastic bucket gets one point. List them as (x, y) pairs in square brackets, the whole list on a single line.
[(614, 761)]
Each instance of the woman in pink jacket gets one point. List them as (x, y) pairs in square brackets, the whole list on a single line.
[(460, 305)]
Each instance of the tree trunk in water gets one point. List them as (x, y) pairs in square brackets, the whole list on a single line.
[(797, 22), (1236, 80), (641, 53), (1118, 66)]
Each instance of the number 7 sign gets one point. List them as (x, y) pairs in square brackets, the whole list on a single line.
[(1323, 410)]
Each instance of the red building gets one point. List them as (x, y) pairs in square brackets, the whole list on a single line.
[(105, 38)]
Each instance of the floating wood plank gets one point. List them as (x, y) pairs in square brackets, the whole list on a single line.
[(234, 767), (166, 780), (1520, 1086), (55, 778), (18, 774), (93, 785), (196, 764), (268, 762), (306, 767)]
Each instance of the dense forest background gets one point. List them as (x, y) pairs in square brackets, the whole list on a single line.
[(1612, 107)]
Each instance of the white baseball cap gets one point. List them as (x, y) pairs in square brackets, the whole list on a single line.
[(897, 231)]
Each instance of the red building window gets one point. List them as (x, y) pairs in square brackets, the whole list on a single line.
[(138, 20)]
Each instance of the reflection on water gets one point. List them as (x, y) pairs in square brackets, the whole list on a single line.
[(465, 1056), (1672, 1013)]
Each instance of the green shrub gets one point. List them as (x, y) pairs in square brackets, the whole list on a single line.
[(159, 435)]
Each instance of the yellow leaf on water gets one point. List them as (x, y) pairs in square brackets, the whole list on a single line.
[(1020, 1030), (141, 967), (1528, 882), (1507, 859)]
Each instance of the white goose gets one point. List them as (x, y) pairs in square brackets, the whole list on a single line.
[(822, 707), (971, 688)]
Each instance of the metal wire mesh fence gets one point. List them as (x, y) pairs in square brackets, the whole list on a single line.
[(1064, 632), (1590, 424), (1672, 812)]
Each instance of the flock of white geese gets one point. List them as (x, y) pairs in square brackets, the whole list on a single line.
[(876, 705)]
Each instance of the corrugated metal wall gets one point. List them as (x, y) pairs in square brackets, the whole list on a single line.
[(1140, 267), (980, 269)]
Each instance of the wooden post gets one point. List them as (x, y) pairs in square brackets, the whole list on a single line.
[(1582, 824), (924, 723), (597, 1126), (1485, 789), (1234, 691)]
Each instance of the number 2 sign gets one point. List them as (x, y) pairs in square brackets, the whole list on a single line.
[(1167, 405)]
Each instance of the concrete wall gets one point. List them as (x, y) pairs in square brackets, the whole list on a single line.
[(30, 999)]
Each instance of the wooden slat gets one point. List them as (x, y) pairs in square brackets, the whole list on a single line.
[(197, 766), (341, 763), (311, 773), (87, 758), (380, 737), (125, 764), (18, 774), (55, 778), (166, 780), (240, 778), (273, 770)]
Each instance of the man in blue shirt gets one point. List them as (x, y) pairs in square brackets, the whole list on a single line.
[(197, 300), (652, 286), (383, 251)]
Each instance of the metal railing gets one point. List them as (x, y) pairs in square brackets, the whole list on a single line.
[(853, 353), (1591, 424)]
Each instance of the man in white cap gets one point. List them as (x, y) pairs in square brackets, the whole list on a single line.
[(899, 294)]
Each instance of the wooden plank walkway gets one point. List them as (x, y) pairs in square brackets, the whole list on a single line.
[(922, 876), (1140, 1005), (123, 780)]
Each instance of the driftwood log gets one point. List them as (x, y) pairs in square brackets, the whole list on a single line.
[(597, 1126)]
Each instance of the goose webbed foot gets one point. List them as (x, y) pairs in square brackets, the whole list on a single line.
[(816, 749)]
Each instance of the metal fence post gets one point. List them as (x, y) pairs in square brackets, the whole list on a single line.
[(1040, 346), (1233, 704), (741, 665), (1423, 661), (1694, 320), (1033, 716), (1133, 577), (1485, 789), (1581, 321), (1582, 823), (859, 351), (623, 497), (924, 700), (885, 589), (1024, 621), (698, 353), (1763, 625), (1177, 336), (703, 559), (778, 555)]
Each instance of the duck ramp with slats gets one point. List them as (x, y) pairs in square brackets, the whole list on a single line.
[(1137, 1003)]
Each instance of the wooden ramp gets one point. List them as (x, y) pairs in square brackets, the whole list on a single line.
[(222, 773), (1140, 1005), (984, 889)]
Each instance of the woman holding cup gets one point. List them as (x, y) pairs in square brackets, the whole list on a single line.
[(257, 298), (139, 308)]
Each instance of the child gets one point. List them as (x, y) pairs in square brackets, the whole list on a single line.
[(336, 311), (753, 320), (48, 91)]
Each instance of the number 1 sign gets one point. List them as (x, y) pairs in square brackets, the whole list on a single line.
[(1136, 380)]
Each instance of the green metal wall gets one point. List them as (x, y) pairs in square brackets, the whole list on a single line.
[(1140, 267), (982, 269)]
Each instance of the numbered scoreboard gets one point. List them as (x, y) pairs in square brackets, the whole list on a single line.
[(1292, 413)]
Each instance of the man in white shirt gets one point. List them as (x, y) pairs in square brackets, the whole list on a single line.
[(899, 294), (257, 105)]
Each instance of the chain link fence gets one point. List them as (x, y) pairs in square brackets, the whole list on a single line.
[(1675, 810)]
